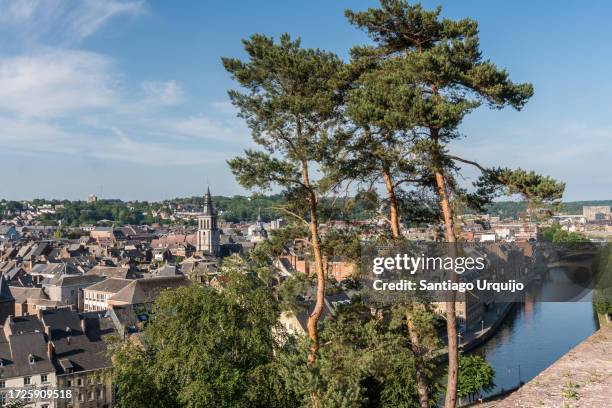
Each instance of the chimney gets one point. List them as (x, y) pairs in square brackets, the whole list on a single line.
[(48, 332), (84, 325), (39, 313), (50, 349)]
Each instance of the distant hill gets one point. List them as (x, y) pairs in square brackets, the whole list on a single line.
[(241, 208), (233, 209), (512, 208)]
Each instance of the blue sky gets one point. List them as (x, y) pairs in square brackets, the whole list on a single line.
[(127, 99)]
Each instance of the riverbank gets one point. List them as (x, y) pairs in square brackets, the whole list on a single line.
[(492, 320)]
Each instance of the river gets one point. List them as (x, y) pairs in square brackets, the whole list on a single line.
[(535, 334)]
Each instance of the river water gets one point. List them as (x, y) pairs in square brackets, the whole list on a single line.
[(535, 334)]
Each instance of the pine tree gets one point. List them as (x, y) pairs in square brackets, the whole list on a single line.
[(380, 151), (291, 105), (439, 65)]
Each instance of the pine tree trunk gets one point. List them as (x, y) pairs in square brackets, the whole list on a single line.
[(315, 315), (393, 206), (451, 323), (314, 401), (313, 319), (418, 352), (315, 242)]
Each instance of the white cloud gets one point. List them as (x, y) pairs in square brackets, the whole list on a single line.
[(20, 10), (206, 128), (30, 135), (122, 148), (52, 82), (225, 107), (56, 99), (197, 126), (91, 15), (58, 21), (162, 92), (110, 144)]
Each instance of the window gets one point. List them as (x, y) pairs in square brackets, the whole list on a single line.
[(100, 393), (27, 380), (2, 384), (68, 383), (81, 398), (92, 396), (79, 382), (43, 378)]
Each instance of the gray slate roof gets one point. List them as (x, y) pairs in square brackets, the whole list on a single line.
[(142, 291), (72, 280), (21, 294), (21, 338), (110, 285), (82, 350)]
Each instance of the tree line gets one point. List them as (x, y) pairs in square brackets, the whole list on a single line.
[(246, 208)]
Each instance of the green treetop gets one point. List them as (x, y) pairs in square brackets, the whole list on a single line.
[(439, 64), (204, 348), (291, 104)]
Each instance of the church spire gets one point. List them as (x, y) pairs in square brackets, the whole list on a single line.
[(208, 206)]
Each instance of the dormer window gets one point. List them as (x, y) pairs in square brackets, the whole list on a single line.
[(31, 359)]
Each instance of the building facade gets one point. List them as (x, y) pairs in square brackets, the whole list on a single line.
[(95, 297), (595, 212)]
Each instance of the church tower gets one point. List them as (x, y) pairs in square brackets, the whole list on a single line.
[(257, 231), (208, 233)]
